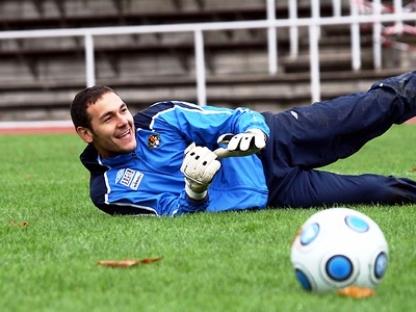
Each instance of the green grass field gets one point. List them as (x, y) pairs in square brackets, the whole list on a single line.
[(211, 262)]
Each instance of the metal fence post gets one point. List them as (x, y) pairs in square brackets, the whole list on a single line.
[(89, 60), (272, 37), (200, 67)]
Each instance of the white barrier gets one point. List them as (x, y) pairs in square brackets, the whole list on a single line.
[(271, 24)]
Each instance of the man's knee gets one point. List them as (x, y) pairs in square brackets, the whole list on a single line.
[(404, 86)]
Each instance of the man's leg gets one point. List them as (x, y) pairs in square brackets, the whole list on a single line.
[(319, 134), (312, 188), (305, 138)]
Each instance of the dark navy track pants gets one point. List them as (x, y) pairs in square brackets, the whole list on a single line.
[(303, 139)]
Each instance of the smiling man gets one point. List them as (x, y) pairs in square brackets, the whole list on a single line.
[(137, 164), (176, 157)]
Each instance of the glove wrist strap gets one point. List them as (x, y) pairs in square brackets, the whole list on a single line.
[(195, 195)]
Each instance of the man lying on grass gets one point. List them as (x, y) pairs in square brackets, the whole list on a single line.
[(176, 157)]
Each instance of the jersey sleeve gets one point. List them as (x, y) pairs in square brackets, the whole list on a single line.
[(204, 126), (113, 200), (169, 205), (201, 124)]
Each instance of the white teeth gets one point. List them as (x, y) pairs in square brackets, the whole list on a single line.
[(124, 134)]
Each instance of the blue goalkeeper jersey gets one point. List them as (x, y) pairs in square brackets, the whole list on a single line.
[(149, 181)]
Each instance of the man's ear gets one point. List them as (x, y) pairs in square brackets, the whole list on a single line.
[(85, 134)]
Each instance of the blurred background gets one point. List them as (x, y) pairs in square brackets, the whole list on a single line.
[(258, 66)]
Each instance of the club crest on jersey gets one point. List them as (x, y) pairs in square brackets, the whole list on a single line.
[(153, 141), (129, 177)]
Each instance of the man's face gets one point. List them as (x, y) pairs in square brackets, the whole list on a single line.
[(112, 127)]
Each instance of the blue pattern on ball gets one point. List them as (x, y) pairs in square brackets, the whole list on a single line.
[(380, 266), (309, 234), (357, 224), (339, 268), (303, 280)]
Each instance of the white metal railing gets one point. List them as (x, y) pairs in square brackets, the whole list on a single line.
[(271, 24)]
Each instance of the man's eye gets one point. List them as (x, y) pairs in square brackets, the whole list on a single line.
[(107, 119)]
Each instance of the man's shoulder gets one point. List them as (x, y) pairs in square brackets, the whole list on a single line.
[(145, 118), (89, 158)]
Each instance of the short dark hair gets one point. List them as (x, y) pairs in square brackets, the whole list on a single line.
[(83, 100)]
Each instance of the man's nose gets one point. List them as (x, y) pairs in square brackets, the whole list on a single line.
[(122, 120)]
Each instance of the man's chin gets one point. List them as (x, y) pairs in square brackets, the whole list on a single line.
[(130, 148)]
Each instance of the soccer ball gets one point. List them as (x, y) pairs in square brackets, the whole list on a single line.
[(339, 247)]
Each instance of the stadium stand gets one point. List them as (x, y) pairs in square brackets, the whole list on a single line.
[(39, 77)]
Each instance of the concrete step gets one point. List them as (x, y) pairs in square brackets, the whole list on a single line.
[(329, 61), (260, 92)]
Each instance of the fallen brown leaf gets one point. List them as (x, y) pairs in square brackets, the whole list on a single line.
[(127, 263), (150, 260), (356, 292), (22, 224)]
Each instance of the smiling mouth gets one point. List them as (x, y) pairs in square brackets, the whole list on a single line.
[(124, 134)]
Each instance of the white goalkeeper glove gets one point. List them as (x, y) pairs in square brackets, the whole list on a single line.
[(199, 167), (242, 144)]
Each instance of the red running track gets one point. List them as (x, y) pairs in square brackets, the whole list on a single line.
[(15, 128)]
